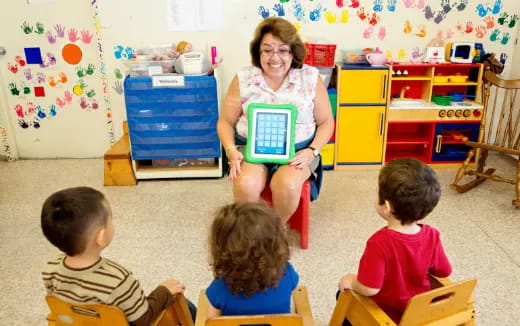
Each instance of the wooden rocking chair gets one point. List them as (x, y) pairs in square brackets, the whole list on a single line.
[(499, 132)]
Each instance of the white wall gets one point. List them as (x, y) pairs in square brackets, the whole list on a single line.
[(135, 24)]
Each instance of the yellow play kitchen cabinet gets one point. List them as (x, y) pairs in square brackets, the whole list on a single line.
[(425, 111), (360, 122)]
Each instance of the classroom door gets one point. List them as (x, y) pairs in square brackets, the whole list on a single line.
[(53, 100)]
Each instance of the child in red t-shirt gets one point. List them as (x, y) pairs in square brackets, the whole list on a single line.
[(398, 258)]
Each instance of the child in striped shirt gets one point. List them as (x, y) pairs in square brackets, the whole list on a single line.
[(79, 222)]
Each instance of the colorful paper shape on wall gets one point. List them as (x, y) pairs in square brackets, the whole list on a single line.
[(39, 91), (72, 54), (33, 55)]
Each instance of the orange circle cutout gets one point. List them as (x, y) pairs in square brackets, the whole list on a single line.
[(71, 54)]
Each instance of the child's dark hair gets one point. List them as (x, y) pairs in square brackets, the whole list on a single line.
[(70, 216), (411, 187), (249, 247)]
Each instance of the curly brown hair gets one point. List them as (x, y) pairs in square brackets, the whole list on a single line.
[(249, 247), (283, 30)]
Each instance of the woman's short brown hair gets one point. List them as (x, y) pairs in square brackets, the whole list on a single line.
[(283, 30), (249, 247), (411, 187)]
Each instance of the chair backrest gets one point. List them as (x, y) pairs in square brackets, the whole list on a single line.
[(302, 317), (69, 314), (500, 125), (447, 302)]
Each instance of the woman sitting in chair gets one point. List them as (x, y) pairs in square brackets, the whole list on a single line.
[(278, 76)]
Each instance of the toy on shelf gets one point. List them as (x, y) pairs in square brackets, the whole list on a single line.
[(376, 58), (184, 47), (435, 51), (460, 52)]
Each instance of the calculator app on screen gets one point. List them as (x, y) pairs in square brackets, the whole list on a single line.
[(271, 133)]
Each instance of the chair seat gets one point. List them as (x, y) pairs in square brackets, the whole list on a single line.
[(300, 218)]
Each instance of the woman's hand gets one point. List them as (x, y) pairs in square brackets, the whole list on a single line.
[(235, 158), (303, 159)]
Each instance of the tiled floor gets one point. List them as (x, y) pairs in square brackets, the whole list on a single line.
[(161, 232)]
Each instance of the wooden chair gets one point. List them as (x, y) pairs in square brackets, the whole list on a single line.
[(300, 218), (68, 314), (118, 169), (499, 132), (446, 304), (302, 317)]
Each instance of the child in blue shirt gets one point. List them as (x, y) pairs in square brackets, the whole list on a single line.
[(250, 262)]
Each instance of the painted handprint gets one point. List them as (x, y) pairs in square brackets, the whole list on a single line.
[(469, 27), (440, 34), (496, 7), (428, 13), (94, 104), (118, 50), (67, 96), (344, 16), (19, 60), (502, 19), (367, 33), (390, 5), (480, 31), (330, 17), (462, 5), (420, 4), (495, 35), (26, 28), (86, 37), (83, 102), (36, 124), (460, 27), (52, 58), (378, 5), (298, 11), (60, 30), (416, 53), (63, 78), (381, 34), (61, 103), (408, 3), (446, 6), (315, 15), (263, 11), (503, 58), (278, 8), (26, 89), (40, 29), (481, 10), (23, 123), (407, 27), (449, 33), (422, 31), (52, 81), (354, 4), (490, 22), (374, 20), (28, 74), (440, 17), (12, 67), (45, 63), (339, 3), (14, 90), (91, 93), (52, 110), (19, 111), (505, 38), (81, 72), (50, 37), (513, 20), (90, 69), (73, 35), (40, 113), (361, 13), (40, 77), (31, 108), (129, 53), (118, 73)]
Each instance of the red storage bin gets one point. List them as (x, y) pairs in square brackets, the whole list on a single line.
[(320, 54)]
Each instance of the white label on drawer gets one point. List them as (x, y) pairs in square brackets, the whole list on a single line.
[(167, 81)]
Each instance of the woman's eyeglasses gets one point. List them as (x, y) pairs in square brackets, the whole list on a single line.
[(283, 53)]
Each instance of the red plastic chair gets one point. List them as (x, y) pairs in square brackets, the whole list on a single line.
[(299, 221)]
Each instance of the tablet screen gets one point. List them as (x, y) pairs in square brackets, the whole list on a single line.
[(271, 133)]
